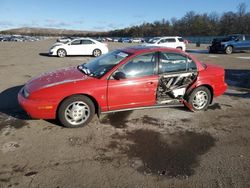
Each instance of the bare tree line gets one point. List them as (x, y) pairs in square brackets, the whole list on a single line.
[(193, 24)]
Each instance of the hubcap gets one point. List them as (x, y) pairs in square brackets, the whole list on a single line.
[(77, 113), (61, 53), (97, 53), (200, 100), (229, 50)]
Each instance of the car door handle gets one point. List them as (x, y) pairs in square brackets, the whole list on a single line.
[(150, 83)]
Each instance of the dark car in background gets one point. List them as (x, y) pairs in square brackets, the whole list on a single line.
[(230, 44)]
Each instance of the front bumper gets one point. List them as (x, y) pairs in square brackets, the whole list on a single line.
[(38, 109), (217, 48), (52, 52)]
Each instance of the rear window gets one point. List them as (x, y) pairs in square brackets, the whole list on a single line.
[(180, 39)]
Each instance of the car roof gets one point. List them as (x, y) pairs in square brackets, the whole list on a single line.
[(144, 49)]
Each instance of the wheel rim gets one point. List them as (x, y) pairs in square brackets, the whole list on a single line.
[(61, 53), (97, 53), (200, 100), (77, 113), (229, 50)]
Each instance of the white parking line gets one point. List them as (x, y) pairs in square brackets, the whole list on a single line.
[(243, 57), (212, 56)]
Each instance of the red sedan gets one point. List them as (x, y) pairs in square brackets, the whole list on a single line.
[(125, 79)]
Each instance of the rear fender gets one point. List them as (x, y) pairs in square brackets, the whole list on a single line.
[(195, 85)]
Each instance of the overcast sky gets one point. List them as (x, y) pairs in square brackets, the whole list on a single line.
[(102, 15)]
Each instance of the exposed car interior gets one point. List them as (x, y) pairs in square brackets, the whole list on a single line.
[(177, 72)]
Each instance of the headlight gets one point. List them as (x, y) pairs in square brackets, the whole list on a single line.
[(25, 93), (54, 47)]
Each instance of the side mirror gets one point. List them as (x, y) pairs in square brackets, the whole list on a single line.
[(237, 39), (69, 44), (119, 75)]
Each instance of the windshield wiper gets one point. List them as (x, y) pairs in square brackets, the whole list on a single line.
[(84, 69)]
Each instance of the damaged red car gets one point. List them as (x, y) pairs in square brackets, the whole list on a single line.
[(126, 79)]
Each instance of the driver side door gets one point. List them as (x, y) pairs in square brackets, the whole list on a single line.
[(138, 87)]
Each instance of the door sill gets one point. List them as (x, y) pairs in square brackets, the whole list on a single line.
[(145, 107)]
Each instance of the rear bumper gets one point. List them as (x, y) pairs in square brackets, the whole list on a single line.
[(38, 109), (220, 90)]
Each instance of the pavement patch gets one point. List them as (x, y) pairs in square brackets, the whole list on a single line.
[(170, 155), (9, 146), (243, 57)]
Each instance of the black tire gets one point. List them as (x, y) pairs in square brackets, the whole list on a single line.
[(77, 106), (179, 48), (229, 50), (97, 52), (61, 52), (205, 94)]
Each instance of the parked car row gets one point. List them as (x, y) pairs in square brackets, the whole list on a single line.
[(19, 38), (88, 46)]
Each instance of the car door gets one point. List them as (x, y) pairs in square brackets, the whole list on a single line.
[(87, 47), (244, 42), (176, 73), (138, 86), (74, 48)]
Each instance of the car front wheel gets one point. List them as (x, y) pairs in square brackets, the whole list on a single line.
[(200, 98), (76, 111), (229, 50), (61, 53)]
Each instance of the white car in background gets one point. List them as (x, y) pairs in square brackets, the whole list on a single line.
[(136, 40), (170, 42), (79, 46)]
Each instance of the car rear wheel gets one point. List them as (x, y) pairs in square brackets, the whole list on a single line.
[(200, 98), (97, 53), (229, 50), (76, 111), (61, 53), (179, 48)]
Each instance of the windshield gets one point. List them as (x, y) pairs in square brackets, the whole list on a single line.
[(153, 40), (100, 66)]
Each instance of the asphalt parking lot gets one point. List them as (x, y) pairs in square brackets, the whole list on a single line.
[(168, 147)]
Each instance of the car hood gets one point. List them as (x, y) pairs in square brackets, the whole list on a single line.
[(58, 44), (61, 76)]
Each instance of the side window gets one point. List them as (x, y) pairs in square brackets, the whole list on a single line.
[(76, 42), (143, 65), (87, 42), (180, 39), (191, 65), (172, 62), (162, 41), (171, 40)]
